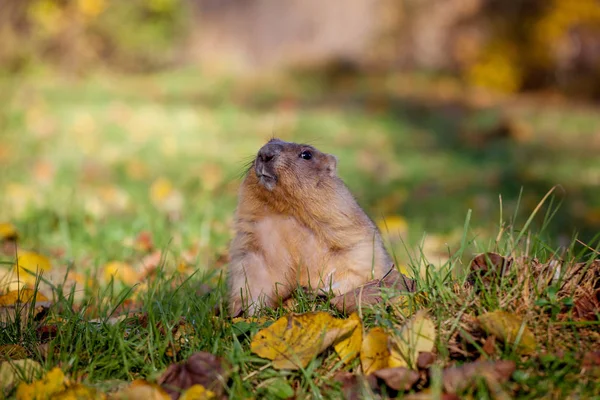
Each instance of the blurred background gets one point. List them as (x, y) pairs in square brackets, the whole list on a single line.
[(136, 110)]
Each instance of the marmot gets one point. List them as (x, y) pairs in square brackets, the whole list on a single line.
[(298, 224)]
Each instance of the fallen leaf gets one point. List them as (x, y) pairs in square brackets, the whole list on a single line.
[(456, 379), (489, 347), (510, 329), (416, 335), (372, 292), (425, 359), (201, 368), (141, 390), (122, 272), (293, 340), (79, 392), (8, 231), (21, 296), (143, 242), (587, 305), (374, 352), (590, 365), (488, 267), (12, 352), (197, 392), (406, 305), (428, 394), (52, 383), (182, 332), (30, 264), (349, 348), (165, 197), (356, 387), (17, 305), (13, 372), (393, 226), (398, 378)]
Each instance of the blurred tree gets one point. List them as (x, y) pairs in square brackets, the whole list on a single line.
[(133, 34)]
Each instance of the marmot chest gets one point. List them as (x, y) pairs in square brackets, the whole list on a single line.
[(289, 244)]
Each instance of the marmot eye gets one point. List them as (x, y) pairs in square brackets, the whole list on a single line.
[(307, 155)]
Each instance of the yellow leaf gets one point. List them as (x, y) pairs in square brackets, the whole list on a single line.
[(142, 390), (393, 225), (417, 335), (349, 347), (292, 341), (164, 196), (406, 305), (121, 271), (250, 320), (45, 388), (21, 296), (30, 261), (8, 231), (13, 372), (374, 352), (197, 392), (509, 328), (79, 392), (91, 8)]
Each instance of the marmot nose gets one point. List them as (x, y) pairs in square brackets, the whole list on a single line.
[(269, 152)]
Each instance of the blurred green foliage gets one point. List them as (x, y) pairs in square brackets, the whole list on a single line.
[(134, 35), (510, 46)]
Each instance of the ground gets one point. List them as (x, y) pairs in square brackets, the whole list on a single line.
[(144, 170)]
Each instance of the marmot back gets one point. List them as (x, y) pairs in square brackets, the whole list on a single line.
[(298, 224)]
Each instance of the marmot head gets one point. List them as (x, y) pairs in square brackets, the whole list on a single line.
[(292, 166)]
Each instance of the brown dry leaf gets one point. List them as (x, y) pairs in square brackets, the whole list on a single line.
[(428, 394), (425, 359), (198, 392), (293, 340), (349, 348), (12, 352), (8, 231), (487, 267), (356, 387), (13, 372), (587, 305), (122, 272), (144, 242), (417, 335), (508, 328), (456, 379), (182, 332), (201, 368), (371, 292), (374, 352), (51, 384), (590, 365), (141, 390), (398, 378)]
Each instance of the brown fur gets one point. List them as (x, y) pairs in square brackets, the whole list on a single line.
[(305, 229)]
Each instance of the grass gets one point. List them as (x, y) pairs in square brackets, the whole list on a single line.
[(83, 163)]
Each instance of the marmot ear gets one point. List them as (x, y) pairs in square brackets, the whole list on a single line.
[(331, 165)]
